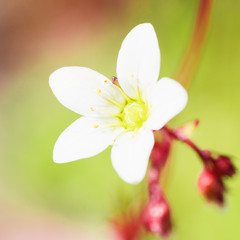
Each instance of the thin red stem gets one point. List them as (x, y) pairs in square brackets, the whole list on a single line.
[(204, 155), (189, 64)]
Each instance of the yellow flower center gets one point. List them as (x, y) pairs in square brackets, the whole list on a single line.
[(134, 115), (133, 112)]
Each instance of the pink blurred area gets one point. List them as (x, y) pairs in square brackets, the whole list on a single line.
[(28, 224), (29, 28)]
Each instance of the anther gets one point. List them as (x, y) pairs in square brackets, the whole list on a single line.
[(95, 126), (99, 91)]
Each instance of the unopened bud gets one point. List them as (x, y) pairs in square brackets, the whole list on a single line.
[(127, 227), (211, 186), (224, 166), (156, 218), (115, 80), (160, 153)]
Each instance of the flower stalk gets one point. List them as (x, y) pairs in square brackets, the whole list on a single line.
[(191, 59), (216, 168), (157, 214)]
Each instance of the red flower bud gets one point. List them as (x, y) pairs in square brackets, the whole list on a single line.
[(211, 186), (127, 227), (224, 166), (153, 176), (156, 216), (115, 80), (160, 153)]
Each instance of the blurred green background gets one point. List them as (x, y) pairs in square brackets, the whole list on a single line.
[(39, 37)]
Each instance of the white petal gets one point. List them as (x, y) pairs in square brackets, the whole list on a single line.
[(167, 99), (84, 138), (130, 154), (85, 91), (138, 62)]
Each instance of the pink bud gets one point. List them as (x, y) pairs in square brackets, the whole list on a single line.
[(115, 80), (156, 217), (160, 153), (211, 186), (186, 130), (153, 176), (224, 166), (127, 227)]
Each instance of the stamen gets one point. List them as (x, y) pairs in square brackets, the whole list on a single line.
[(95, 125), (114, 102), (136, 88), (124, 131), (109, 99), (137, 92), (91, 108), (123, 93), (109, 113)]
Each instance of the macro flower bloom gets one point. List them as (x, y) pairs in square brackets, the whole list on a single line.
[(122, 116)]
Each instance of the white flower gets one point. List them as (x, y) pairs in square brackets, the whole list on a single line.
[(123, 117)]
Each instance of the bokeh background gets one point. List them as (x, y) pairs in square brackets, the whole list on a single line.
[(43, 200)]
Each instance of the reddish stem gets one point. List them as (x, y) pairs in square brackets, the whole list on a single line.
[(204, 155), (188, 67), (156, 214)]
